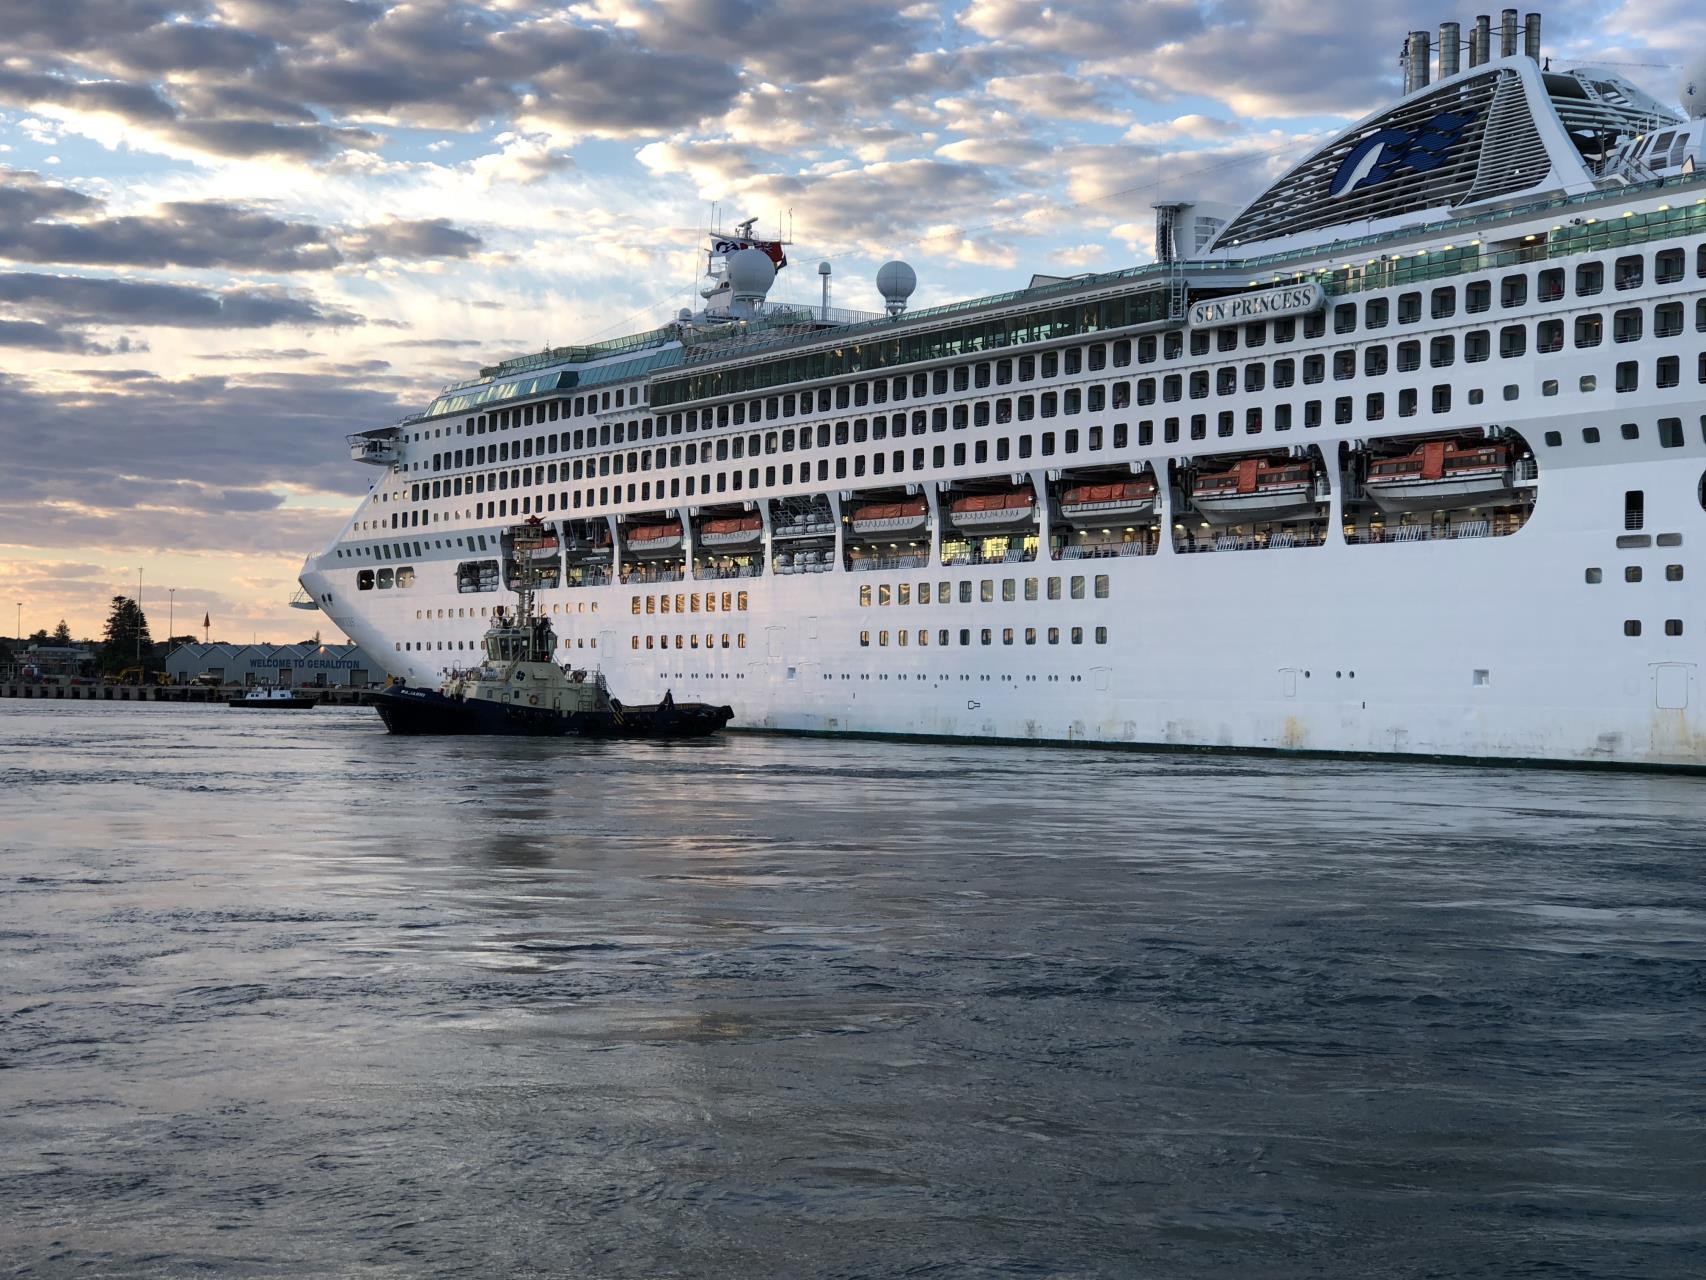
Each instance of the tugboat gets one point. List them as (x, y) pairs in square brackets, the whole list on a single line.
[(520, 690)]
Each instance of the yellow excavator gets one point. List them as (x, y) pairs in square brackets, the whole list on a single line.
[(148, 679)]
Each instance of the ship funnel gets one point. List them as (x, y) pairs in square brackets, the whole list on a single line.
[(1450, 48), (1415, 61), (1531, 36), (1507, 33), (1481, 41)]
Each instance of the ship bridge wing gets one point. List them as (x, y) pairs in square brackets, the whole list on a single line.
[(1496, 131)]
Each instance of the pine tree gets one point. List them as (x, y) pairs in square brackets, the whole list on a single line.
[(127, 628), (62, 633)]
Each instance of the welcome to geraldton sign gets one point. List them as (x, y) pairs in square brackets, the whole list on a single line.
[(1288, 300)]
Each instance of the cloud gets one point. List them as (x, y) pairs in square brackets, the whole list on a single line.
[(1085, 28), (191, 447), (35, 335), (1060, 96), (200, 234), (95, 301), (399, 238)]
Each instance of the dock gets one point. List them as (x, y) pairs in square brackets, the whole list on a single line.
[(209, 694)]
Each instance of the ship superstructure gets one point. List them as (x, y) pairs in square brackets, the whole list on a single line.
[(1407, 455)]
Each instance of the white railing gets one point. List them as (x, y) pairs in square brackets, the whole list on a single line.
[(714, 573), (653, 575), (1425, 533), (1104, 551), (977, 557), (889, 562)]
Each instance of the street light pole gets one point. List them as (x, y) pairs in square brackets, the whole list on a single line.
[(139, 615), (171, 611)]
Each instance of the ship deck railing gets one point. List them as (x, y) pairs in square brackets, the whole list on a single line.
[(1250, 542), (674, 574), (716, 573), (978, 557), (816, 566), (1422, 532), (919, 561), (1104, 551)]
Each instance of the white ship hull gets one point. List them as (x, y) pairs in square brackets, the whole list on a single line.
[(1440, 648)]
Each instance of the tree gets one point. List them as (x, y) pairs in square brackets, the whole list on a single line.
[(127, 630), (62, 633)]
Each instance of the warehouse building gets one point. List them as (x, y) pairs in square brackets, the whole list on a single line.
[(285, 665)]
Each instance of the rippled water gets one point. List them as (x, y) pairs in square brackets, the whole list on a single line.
[(282, 995)]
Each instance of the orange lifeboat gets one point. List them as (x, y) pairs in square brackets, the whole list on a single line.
[(992, 510), (890, 518), (653, 539), (737, 531), (1255, 489), (1440, 474), (1096, 503)]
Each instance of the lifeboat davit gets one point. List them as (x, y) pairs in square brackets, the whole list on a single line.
[(1098, 503), (738, 531), (993, 510), (654, 539), (887, 518), (1440, 474), (1255, 489)]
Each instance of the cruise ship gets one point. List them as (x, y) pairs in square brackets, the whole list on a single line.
[(1405, 456)]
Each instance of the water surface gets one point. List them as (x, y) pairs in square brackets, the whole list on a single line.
[(281, 995)]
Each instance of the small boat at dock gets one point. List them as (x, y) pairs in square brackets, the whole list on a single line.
[(270, 698)]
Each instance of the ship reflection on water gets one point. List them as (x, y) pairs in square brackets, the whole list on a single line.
[(768, 1007)]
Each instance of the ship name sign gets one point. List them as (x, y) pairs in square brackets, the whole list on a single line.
[(1290, 300)]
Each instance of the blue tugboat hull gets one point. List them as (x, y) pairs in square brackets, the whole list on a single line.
[(426, 711)]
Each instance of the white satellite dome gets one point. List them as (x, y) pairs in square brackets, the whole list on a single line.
[(750, 272), (1693, 94), (896, 281)]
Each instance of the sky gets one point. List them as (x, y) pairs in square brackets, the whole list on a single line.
[(234, 231)]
